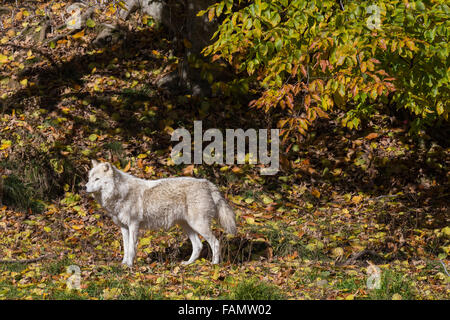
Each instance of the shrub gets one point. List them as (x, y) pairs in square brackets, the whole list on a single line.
[(305, 58), (19, 195)]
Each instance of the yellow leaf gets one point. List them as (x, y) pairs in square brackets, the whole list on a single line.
[(440, 108), (249, 200), (216, 274), (168, 130), (315, 193), (337, 252), (78, 35), (211, 14), (363, 67), (236, 170), (396, 296), (350, 297), (19, 15), (123, 5), (5, 144), (127, 167), (250, 220), (356, 199), (446, 231), (149, 169), (24, 82), (236, 199), (267, 200), (410, 44), (144, 241)]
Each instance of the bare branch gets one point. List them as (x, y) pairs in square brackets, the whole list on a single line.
[(47, 256)]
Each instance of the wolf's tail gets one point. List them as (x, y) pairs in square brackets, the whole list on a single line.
[(225, 213)]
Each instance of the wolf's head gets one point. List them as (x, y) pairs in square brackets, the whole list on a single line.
[(101, 177)]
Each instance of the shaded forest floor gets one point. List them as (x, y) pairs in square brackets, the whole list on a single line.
[(342, 201)]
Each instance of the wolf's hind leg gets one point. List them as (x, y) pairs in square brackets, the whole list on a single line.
[(215, 246), (204, 230), (125, 243), (196, 243)]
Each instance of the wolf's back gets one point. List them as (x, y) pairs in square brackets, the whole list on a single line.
[(225, 213)]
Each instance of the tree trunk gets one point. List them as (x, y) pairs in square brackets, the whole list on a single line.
[(181, 18)]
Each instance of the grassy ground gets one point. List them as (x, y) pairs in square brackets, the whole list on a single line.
[(267, 260), (343, 201)]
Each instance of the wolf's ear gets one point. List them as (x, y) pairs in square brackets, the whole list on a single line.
[(94, 162), (107, 166)]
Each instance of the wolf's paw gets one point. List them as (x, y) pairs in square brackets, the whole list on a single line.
[(127, 264), (185, 263)]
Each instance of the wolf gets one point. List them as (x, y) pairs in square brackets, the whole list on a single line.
[(135, 203)]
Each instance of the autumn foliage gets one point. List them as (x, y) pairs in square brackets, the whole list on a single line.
[(310, 57), (346, 207)]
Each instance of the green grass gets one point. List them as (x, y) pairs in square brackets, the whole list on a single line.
[(254, 289), (58, 267), (9, 291), (393, 283), (115, 147), (13, 267), (349, 285), (127, 291), (66, 295)]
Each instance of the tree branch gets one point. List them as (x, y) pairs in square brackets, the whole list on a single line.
[(50, 255)]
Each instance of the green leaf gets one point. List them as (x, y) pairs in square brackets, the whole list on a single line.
[(440, 108), (278, 44), (90, 23)]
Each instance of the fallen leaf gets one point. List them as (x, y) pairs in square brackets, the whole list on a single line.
[(372, 136), (315, 193), (127, 167)]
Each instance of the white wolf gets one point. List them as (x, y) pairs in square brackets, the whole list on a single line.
[(135, 203)]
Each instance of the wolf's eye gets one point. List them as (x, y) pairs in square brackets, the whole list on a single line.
[(97, 179)]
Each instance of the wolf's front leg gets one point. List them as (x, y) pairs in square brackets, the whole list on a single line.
[(133, 230), (125, 238)]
